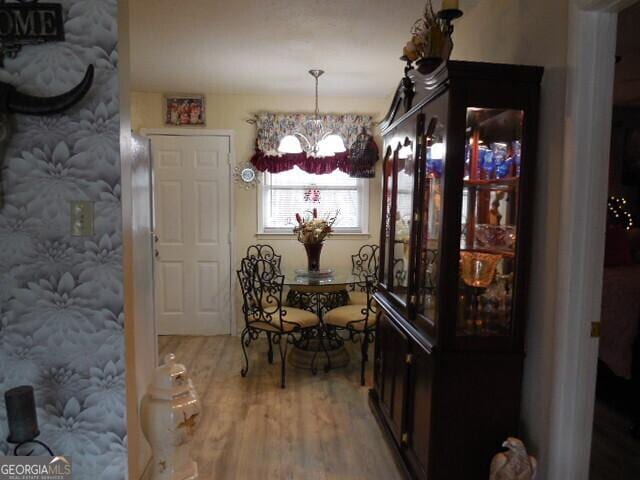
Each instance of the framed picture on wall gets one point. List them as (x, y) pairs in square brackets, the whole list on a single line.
[(184, 110)]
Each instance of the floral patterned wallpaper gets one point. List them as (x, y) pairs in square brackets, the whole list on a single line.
[(61, 297)]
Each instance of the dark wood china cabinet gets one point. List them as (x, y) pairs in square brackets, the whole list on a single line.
[(460, 149)]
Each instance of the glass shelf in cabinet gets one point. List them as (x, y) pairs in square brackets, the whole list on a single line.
[(495, 251)]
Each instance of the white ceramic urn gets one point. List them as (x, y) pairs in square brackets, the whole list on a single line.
[(170, 414)]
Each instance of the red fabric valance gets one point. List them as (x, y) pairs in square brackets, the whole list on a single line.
[(286, 161), (359, 166)]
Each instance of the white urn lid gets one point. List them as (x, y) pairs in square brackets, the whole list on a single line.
[(170, 379)]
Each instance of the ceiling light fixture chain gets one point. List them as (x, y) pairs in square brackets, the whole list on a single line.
[(316, 73), (319, 142)]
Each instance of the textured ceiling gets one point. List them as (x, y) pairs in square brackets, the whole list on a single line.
[(267, 46)]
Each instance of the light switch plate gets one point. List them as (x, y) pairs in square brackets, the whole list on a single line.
[(81, 219)]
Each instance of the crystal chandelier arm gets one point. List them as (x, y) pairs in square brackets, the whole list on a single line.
[(309, 146), (326, 134)]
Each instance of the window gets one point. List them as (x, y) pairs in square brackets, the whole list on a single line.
[(295, 191)]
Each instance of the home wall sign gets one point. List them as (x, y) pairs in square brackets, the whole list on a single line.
[(28, 23)]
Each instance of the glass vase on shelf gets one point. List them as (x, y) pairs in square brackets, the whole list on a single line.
[(516, 157), (496, 303), (488, 164)]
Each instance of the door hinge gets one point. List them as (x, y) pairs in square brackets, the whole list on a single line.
[(229, 158), (409, 359), (413, 299), (596, 328), (405, 438)]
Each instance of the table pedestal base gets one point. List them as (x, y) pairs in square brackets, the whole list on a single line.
[(302, 358)]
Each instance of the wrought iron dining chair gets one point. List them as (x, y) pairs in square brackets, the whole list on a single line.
[(265, 252), (262, 285), (363, 264), (358, 319)]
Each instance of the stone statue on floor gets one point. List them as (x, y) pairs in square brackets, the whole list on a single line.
[(514, 464)]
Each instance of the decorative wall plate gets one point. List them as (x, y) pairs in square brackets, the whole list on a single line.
[(245, 174)]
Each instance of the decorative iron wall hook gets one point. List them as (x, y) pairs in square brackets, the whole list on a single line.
[(13, 101)]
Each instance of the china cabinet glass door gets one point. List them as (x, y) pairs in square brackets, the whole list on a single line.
[(402, 217), (431, 197), (387, 204), (488, 239)]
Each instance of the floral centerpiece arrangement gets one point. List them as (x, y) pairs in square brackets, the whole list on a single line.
[(311, 231)]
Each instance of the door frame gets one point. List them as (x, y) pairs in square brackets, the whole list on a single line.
[(202, 132), (589, 104)]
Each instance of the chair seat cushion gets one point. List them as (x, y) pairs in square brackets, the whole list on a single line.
[(344, 316), (293, 318), (357, 298)]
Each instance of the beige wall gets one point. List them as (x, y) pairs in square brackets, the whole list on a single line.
[(532, 32), (230, 112)]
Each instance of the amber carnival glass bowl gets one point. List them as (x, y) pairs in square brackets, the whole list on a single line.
[(478, 269)]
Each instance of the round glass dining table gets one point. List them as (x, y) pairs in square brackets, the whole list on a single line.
[(319, 294), (336, 277)]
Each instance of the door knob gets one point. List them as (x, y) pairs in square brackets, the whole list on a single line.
[(156, 238), (157, 253)]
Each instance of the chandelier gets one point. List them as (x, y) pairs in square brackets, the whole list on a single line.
[(318, 142)]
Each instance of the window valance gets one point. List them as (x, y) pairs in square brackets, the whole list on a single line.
[(355, 131)]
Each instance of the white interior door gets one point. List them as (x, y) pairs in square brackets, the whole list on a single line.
[(192, 227)]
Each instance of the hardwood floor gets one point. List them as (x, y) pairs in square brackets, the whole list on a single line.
[(615, 453), (317, 428)]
